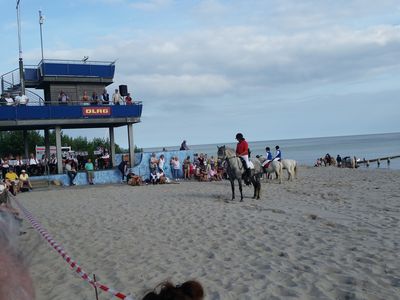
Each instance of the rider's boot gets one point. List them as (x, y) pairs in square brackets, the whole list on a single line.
[(246, 176)]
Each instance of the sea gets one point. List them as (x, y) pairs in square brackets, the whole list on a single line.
[(307, 150)]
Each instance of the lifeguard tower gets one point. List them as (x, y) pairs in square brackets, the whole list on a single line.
[(45, 113)]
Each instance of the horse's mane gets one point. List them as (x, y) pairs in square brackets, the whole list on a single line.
[(230, 152)]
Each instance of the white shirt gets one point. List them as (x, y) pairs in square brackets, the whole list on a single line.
[(10, 101), (33, 161), (21, 100), (161, 163), (116, 98)]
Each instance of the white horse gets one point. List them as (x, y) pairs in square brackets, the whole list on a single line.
[(291, 166), (273, 167)]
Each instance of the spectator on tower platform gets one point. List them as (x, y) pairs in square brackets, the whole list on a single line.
[(105, 98), (21, 99), (9, 100), (3, 100), (95, 99), (116, 98), (85, 98), (128, 99), (63, 98)]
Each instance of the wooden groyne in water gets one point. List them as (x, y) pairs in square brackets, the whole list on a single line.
[(381, 159)]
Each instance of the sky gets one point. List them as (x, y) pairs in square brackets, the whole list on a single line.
[(207, 69)]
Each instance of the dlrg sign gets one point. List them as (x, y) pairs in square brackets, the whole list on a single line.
[(96, 111)]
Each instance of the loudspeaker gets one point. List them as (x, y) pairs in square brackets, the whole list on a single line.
[(123, 90)]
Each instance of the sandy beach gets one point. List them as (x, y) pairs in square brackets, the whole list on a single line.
[(331, 234)]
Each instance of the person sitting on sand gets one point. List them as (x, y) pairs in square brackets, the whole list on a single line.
[(24, 180), (189, 290), (133, 179), (153, 177), (12, 181), (161, 178)]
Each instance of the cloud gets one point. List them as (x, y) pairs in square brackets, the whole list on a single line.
[(151, 5)]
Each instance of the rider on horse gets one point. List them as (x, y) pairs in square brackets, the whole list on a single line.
[(242, 150), (269, 158), (278, 154)]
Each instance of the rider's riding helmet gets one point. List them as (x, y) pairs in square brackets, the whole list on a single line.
[(239, 136), (267, 149), (276, 147)]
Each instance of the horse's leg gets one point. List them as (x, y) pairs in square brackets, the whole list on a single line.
[(254, 183), (258, 182), (233, 187), (240, 189)]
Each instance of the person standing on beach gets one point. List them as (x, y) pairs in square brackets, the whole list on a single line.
[(161, 163), (278, 154), (89, 167), (339, 161), (123, 167)]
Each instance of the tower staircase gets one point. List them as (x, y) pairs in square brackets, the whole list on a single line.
[(11, 84)]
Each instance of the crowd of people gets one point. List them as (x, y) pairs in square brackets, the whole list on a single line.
[(95, 99), (200, 167), (7, 99)]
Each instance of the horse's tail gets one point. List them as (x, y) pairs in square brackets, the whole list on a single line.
[(295, 169)]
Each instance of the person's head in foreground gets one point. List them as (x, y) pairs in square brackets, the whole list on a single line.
[(15, 281), (189, 290)]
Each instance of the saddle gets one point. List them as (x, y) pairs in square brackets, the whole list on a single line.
[(267, 165)]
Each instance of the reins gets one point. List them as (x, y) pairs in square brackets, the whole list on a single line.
[(235, 156)]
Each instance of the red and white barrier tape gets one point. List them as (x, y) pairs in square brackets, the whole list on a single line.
[(74, 265)]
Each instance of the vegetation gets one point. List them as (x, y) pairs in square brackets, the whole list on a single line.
[(12, 142)]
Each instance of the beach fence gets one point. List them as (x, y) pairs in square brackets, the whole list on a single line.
[(71, 262), (378, 161)]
